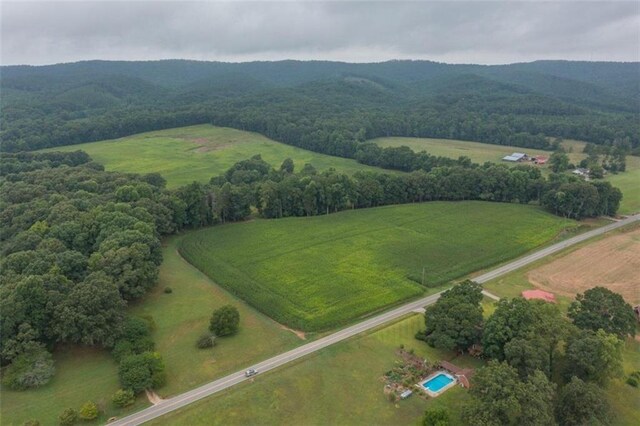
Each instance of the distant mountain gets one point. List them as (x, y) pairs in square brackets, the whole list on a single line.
[(57, 104)]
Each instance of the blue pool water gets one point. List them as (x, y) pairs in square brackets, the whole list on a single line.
[(438, 382)]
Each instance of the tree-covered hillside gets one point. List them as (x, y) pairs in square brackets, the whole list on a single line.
[(328, 107)]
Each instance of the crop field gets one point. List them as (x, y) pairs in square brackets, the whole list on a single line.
[(180, 317), (339, 385), (182, 155), (612, 262), (319, 272), (628, 182)]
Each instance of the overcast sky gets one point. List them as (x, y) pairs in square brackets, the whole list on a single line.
[(453, 31)]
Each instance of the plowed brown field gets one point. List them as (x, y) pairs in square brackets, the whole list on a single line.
[(613, 262)]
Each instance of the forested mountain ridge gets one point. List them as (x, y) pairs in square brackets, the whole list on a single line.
[(328, 107)]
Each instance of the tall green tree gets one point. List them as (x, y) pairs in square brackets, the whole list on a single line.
[(593, 356), (500, 397), (225, 321), (581, 403), (601, 308), (455, 320)]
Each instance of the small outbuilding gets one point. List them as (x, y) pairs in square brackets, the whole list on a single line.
[(540, 159), (406, 394), (539, 295), (581, 172)]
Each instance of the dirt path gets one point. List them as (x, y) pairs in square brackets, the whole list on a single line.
[(298, 333), (153, 397)]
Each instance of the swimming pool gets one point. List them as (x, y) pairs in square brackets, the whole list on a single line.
[(438, 383)]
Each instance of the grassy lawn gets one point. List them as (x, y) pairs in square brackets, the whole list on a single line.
[(182, 155), (180, 317), (628, 182), (339, 385), (319, 272)]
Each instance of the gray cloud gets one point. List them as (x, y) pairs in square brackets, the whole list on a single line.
[(454, 31)]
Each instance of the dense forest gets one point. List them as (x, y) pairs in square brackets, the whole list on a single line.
[(327, 107)]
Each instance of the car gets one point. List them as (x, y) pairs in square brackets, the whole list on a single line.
[(251, 372)]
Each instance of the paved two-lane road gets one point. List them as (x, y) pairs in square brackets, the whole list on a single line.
[(226, 382)]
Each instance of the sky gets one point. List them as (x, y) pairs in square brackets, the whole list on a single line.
[(478, 31)]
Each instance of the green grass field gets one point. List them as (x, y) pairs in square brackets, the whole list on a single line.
[(339, 385), (476, 151), (319, 272), (182, 155), (180, 317), (628, 182)]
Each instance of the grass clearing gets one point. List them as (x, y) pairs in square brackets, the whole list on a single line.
[(628, 182), (338, 385), (319, 272), (180, 318), (182, 155)]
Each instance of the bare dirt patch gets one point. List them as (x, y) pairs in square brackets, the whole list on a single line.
[(298, 333), (613, 262), (153, 397)]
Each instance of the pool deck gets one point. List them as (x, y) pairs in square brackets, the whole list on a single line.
[(431, 393)]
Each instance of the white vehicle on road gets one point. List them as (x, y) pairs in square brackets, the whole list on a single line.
[(251, 372)]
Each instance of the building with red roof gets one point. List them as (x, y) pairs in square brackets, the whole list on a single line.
[(539, 295)]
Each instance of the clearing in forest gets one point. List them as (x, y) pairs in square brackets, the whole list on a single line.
[(612, 262), (184, 154), (319, 272)]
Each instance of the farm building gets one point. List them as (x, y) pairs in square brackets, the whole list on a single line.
[(539, 295), (516, 157), (540, 159)]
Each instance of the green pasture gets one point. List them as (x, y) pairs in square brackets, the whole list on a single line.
[(319, 272), (182, 155), (180, 317), (628, 182), (339, 385), (452, 148)]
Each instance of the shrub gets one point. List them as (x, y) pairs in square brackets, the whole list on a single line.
[(206, 341), (168, 290), (124, 348), (29, 370), (135, 338), (89, 411), (436, 417), (225, 321), (68, 417), (123, 398), (632, 381), (31, 422), (142, 371)]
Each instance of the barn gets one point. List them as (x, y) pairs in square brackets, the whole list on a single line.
[(516, 157)]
